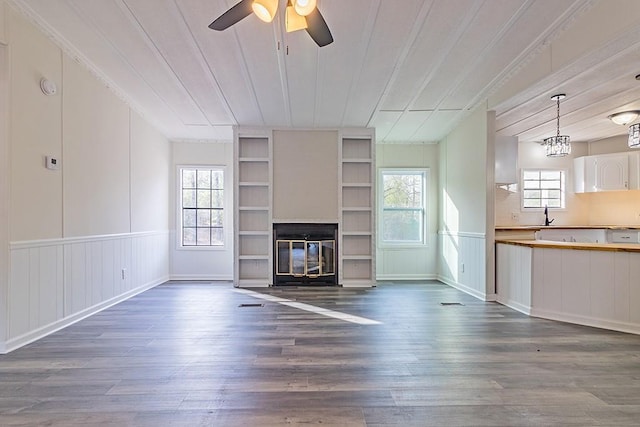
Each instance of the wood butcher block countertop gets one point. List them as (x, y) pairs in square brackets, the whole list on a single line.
[(616, 247)]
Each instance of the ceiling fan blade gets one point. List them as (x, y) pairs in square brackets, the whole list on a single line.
[(318, 29), (235, 14)]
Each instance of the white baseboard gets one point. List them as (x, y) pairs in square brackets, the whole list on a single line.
[(400, 277), (201, 277), (631, 328), (467, 290), (516, 306), (42, 332)]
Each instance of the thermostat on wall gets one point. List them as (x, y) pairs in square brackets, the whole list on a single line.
[(53, 163)]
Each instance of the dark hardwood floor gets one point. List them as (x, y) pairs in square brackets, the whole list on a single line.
[(188, 355)]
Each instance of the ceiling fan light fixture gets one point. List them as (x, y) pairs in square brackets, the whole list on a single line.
[(294, 21), (624, 117), (558, 145), (304, 7), (265, 9)]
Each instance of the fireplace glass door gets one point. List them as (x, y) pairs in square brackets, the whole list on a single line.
[(303, 258)]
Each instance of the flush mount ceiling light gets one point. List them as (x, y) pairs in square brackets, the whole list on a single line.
[(624, 117), (299, 15), (634, 136), (558, 145)]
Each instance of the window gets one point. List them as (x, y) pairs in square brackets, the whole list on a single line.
[(403, 206), (543, 188), (202, 208)]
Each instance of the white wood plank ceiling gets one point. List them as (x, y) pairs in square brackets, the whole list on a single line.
[(413, 69)]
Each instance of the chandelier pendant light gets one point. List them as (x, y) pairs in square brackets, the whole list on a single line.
[(558, 145), (634, 136)]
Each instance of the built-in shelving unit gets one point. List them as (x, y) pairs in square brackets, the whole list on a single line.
[(356, 231), (253, 178)]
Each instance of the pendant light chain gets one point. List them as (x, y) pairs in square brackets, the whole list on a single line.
[(558, 117), (558, 145)]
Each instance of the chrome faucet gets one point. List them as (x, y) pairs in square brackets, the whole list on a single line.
[(546, 217)]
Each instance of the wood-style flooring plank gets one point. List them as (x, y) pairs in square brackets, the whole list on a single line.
[(187, 354)]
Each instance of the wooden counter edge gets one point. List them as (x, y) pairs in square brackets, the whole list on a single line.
[(614, 247)]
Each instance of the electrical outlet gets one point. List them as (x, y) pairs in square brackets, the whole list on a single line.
[(515, 216)]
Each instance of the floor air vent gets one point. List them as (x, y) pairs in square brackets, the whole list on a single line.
[(251, 305), (451, 303)]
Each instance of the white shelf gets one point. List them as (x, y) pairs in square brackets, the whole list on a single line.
[(362, 160), (255, 257), (356, 257), (356, 184), (357, 209), (254, 233), (356, 233), (253, 184), (254, 208), (356, 188), (253, 159)]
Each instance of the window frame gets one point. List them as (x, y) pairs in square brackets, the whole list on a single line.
[(179, 209), (425, 173), (563, 190)]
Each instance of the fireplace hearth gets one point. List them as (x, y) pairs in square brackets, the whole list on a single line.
[(305, 254)]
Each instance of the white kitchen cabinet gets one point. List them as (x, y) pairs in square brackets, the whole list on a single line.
[(606, 172), (612, 172), (584, 171), (506, 164)]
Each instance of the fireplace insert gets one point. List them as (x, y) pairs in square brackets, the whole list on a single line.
[(305, 254)]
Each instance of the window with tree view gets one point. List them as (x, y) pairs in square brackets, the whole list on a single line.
[(202, 209), (403, 206), (543, 188)]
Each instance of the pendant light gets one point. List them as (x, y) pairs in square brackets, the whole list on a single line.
[(558, 145), (634, 136)]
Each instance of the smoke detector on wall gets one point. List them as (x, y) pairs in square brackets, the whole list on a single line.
[(48, 87)]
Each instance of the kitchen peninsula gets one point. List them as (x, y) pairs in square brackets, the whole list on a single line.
[(593, 283)]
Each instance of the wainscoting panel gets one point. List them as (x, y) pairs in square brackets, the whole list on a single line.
[(54, 283), (462, 262), (594, 288), (513, 276)]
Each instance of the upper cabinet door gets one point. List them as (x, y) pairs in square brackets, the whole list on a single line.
[(612, 172)]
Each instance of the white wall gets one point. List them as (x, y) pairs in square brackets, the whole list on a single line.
[(77, 242), (199, 263), (35, 132), (95, 156), (465, 227), (305, 176), (411, 262), (150, 173)]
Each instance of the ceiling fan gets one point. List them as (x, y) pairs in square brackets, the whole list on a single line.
[(299, 15)]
